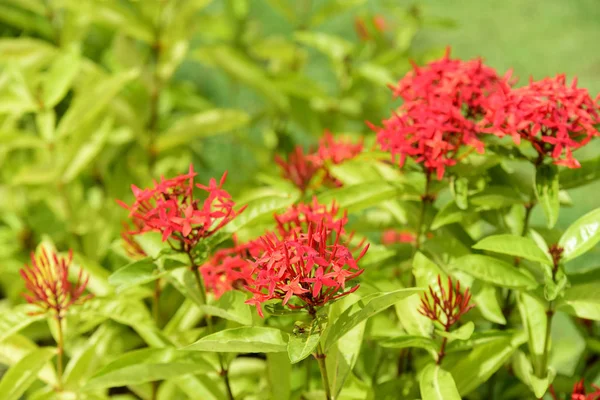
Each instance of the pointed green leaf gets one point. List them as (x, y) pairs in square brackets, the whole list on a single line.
[(148, 365), (449, 214), (581, 236), (535, 321), (462, 333), (232, 306), (486, 301), (582, 300), (406, 341), (360, 196), (363, 309), (546, 190), (17, 318), (261, 209), (243, 340), (20, 376), (524, 371), (135, 273), (302, 345), (437, 384), (575, 177), (494, 271), (518, 246), (59, 77)]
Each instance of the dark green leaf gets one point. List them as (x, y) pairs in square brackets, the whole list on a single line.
[(574, 177)]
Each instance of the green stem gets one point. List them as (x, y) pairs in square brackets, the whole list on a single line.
[(442, 352), (545, 356), (425, 199), (156, 316), (60, 353), (320, 356)]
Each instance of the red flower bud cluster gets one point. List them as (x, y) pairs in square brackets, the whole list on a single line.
[(230, 268), (300, 168), (169, 207), (306, 270), (445, 305), (47, 282), (579, 392), (555, 117)]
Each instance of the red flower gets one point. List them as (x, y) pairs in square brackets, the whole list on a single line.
[(299, 168), (230, 268), (430, 132), (392, 236), (336, 151), (304, 271), (580, 394), (132, 248), (169, 207), (47, 282), (445, 306), (462, 83), (554, 117), (299, 217)]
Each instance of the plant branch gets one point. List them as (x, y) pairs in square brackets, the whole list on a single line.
[(320, 356), (60, 353)]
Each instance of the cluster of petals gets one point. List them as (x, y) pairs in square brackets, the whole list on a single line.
[(554, 116), (298, 217), (48, 286), (393, 236), (300, 168), (306, 270), (579, 392), (230, 268), (431, 132), (169, 207), (465, 84), (445, 305)]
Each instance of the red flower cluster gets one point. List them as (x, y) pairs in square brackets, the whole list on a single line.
[(554, 117), (170, 208), (313, 266), (465, 84), (301, 168), (392, 236), (445, 306), (580, 394), (300, 216), (230, 268), (362, 27), (48, 285), (431, 133)]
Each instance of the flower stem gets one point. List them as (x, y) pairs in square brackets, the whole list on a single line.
[(59, 357), (199, 281), (156, 316), (442, 352), (320, 356), (425, 199)]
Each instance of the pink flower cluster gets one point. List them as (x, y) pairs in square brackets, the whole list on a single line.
[(300, 168), (169, 207)]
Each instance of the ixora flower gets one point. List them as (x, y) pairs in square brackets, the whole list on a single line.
[(305, 271), (46, 281), (579, 392), (393, 236), (445, 305), (230, 268), (300, 167), (169, 207), (431, 132), (465, 84), (298, 217), (555, 117)]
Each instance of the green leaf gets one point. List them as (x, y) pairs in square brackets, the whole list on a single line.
[(59, 77), (45, 121), (482, 362), (243, 340), (581, 236), (518, 246), (20, 376), (148, 365), (495, 197), (449, 214), (17, 318), (363, 309), (15, 347), (413, 322), (360, 196), (486, 301), (406, 341), (575, 177), (462, 333), (260, 210), (332, 9), (85, 154), (568, 344), (460, 192), (231, 305), (437, 384), (546, 190), (302, 345), (524, 371), (134, 274), (426, 272), (535, 321), (332, 46), (89, 104), (494, 271), (581, 300), (244, 70), (279, 373), (204, 124)]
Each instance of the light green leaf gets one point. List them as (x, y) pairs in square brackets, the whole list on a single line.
[(575, 177), (413, 322), (332, 46), (17, 318), (581, 236), (135, 273), (546, 190), (360, 196), (449, 214), (402, 342), (204, 124), (518, 246), (332, 9), (462, 333), (493, 271), (524, 371), (302, 345), (59, 77), (279, 373), (231, 305), (243, 340), (20, 376), (495, 197), (426, 272), (89, 104), (486, 301), (582, 300), (568, 344), (535, 321), (148, 365), (45, 121), (437, 384), (363, 309), (460, 192), (14, 348), (261, 209)]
